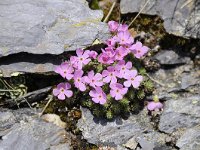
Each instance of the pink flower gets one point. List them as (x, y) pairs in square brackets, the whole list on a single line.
[(107, 56), (105, 59), (94, 80), (120, 53), (139, 50), (117, 91), (123, 67), (98, 96), (132, 78), (113, 25), (65, 70), (63, 91), (122, 28), (154, 105), (112, 41), (73, 61), (110, 75), (81, 59), (109, 51), (79, 81), (125, 38), (92, 54)]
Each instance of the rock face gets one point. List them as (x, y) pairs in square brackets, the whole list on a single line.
[(190, 139), (179, 79), (181, 113), (180, 17), (22, 130), (111, 133), (169, 57), (45, 27), (121, 134)]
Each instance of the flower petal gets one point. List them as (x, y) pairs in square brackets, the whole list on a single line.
[(61, 96), (118, 97), (79, 52), (82, 87), (127, 83), (112, 93), (68, 93), (107, 79), (56, 92)]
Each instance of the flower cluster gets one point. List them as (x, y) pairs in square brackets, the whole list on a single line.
[(117, 74)]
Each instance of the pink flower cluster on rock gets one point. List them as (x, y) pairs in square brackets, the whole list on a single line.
[(117, 73)]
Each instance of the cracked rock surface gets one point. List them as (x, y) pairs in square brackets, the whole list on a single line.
[(45, 28), (181, 17), (22, 129)]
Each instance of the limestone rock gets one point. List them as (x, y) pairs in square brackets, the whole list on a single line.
[(47, 26), (111, 133), (181, 113), (35, 33), (190, 139), (180, 17), (27, 131), (169, 57)]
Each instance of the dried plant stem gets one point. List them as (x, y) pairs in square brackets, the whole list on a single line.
[(12, 89), (186, 3), (110, 11), (47, 104), (139, 13), (8, 86), (156, 81), (3, 90)]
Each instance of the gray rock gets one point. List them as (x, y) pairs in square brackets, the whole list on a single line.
[(24, 62), (112, 133), (148, 141), (181, 113), (65, 146), (181, 17), (152, 140), (131, 143), (169, 57), (180, 79), (146, 145), (190, 79), (30, 132), (190, 140), (7, 119), (45, 27)]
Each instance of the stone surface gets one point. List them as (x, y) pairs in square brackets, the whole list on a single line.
[(38, 31), (173, 81), (27, 131), (190, 79), (180, 113), (145, 145), (181, 17), (30, 63), (47, 26), (190, 140), (169, 57), (148, 141), (111, 133)]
